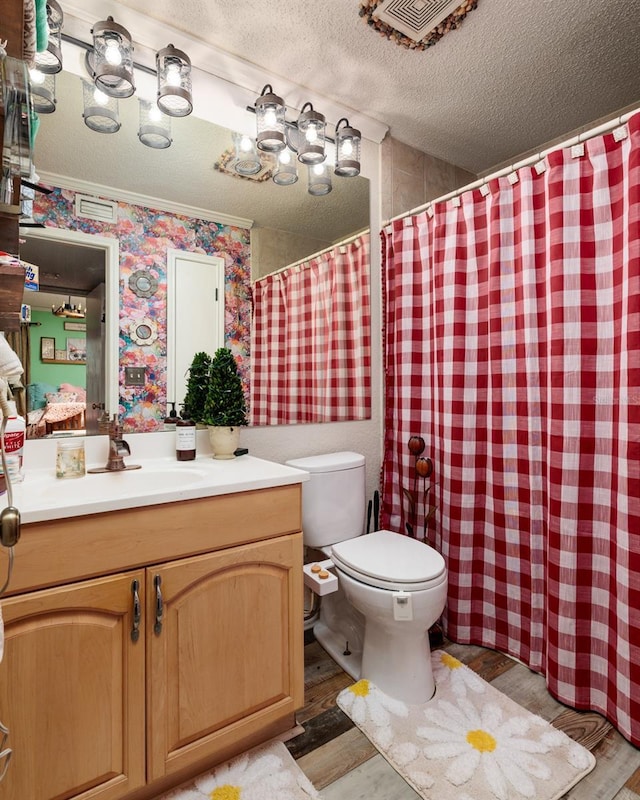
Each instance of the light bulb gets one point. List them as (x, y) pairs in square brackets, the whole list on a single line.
[(173, 75), (311, 134), (318, 169), (284, 157), (100, 97), (155, 115), (270, 118), (245, 144), (347, 147), (112, 53), (36, 76)]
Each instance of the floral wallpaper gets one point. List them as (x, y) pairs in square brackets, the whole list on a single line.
[(145, 235)]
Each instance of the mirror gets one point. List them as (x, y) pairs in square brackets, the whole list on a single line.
[(288, 224)]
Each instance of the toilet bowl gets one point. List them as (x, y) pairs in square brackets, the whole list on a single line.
[(399, 585), (390, 588)]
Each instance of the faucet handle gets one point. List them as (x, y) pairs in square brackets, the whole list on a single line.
[(115, 429)]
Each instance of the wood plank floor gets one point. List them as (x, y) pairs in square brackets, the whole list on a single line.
[(342, 763)]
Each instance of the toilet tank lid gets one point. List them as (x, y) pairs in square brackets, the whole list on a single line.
[(328, 462)]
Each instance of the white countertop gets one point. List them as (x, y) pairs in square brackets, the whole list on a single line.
[(42, 496)]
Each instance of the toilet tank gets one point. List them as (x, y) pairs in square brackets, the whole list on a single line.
[(333, 499)]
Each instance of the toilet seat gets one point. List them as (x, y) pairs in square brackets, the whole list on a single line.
[(390, 561)]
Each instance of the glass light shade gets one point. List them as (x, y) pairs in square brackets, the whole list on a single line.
[(43, 91), (270, 111), (348, 141), (112, 59), (285, 172), (247, 161), (319, 180), (174, 82), (311, 129), (49, 61), (100, 111), (155, 127)]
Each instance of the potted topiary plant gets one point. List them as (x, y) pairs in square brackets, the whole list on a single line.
[(197, 388), (224, 409)]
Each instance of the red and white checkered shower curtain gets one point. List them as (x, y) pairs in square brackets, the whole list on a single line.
[(311, 340), (512, 345)]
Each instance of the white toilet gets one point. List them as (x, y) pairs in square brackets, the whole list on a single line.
[(390, 588)]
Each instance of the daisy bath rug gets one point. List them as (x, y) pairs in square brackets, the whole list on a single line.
[(266, 773), (470, 742)]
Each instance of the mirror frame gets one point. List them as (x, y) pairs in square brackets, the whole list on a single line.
[(111, 247)]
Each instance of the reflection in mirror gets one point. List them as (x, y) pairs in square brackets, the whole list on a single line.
[(256, 226), (76, 312)]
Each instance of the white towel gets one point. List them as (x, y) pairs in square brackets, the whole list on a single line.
[(10, 366)]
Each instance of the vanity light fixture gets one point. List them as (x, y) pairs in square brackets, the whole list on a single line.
[(155, 127), (49, 61), (348, 141), (174, 82), (285, 173), (43, 91), (100, 112), (112, 59), (319, 182), (311, 135), (306, 137), (270, 121), (247, 161)]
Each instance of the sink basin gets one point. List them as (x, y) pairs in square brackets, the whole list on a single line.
[(109, 485), (42, 497)]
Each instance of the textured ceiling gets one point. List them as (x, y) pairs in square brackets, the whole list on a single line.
[(515, 75)]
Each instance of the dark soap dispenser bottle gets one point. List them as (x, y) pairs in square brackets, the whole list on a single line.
[(171, 419), (185, 439)]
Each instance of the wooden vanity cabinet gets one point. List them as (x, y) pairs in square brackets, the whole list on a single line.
[(220, 667), (72, 688), (124, 685)]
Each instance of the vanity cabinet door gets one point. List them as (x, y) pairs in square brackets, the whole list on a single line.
[(225, 660), (72, 692)]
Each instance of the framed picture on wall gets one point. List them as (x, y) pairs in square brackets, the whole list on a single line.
[(47, 348), (77, 349), (75, 326), (61, 355)]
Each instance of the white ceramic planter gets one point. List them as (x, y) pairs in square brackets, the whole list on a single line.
[(224, 440)]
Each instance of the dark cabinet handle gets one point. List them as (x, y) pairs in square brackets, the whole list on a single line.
[(157, 628), (137, 611)]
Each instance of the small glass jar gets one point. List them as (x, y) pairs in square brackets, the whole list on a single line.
[(70, 460)]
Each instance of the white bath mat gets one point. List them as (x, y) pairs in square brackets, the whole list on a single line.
[(470, 742), (266, 773)]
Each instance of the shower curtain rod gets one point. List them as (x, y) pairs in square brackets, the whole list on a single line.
[(581, 137), (348, 240)]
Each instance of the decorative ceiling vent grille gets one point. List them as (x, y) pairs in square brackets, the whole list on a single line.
[(227, 160), (93, 208), (415, 18)]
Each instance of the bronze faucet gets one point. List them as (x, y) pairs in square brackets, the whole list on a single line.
[(118, 448)]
